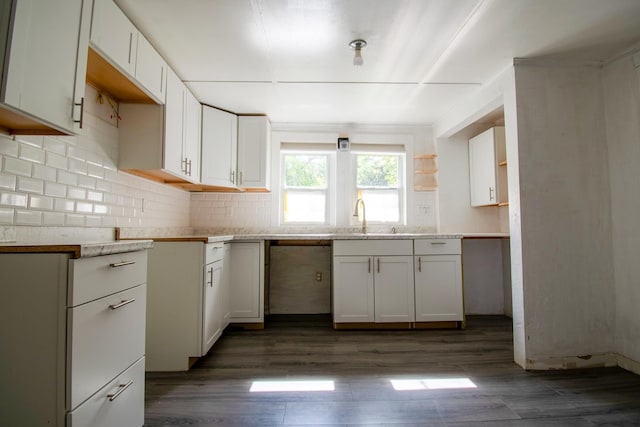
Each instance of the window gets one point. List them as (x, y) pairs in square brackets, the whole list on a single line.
[(378, 181), (305, 188)]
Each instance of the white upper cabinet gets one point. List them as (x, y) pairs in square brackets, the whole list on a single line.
[(486, 155), (114, 36), (254, 149), (219, 147), (151, 69), (45, 59), (162, 142), (118, 41)]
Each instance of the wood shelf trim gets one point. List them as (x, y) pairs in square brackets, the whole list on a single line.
[(503, 163), (501, 204), (425, 171), (425, 156)]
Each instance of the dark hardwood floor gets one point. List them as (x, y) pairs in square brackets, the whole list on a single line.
[(216, 391)]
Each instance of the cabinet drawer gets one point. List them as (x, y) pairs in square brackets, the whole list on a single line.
[(105, 337), (213, 252), (93, 278), (104, 409), (437, 247), (373, 247)]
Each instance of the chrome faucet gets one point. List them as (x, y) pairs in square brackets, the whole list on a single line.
[(364, 215)]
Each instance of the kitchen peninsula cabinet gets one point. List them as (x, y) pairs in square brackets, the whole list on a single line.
[(487, 176), (373, 282), (162, 142), (438, 280), (72, 337), (187, 305), (43, 51), (247, 283)]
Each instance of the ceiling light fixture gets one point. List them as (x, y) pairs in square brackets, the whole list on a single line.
[(357, 45)]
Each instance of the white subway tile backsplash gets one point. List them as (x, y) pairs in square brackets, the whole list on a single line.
[(32, 154), (7, 182), (41, 203), (63, 205), (101, 209), (82, 207), (73, 220), (55, 190), (95, 171), (94, 196), (6, 216), (45, 173), (32, 140), (77, 153), (30, 185), (67, 178), (52, 218), (55, 160), (17, 166), (28, 217), (53, 145), (77, 193), (93, 221), (13, 199), (77, 166), (8, 147), (86, 182)]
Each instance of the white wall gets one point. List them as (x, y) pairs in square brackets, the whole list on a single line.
[(567, 267), (622, 107), (73, 181)]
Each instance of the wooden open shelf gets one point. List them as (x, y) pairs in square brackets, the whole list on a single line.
[(424, 172), (503, 163), (425, 156)]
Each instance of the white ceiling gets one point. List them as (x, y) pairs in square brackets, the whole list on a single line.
[(290, 59)]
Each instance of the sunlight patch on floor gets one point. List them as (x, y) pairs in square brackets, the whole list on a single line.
[(431, 384), (302, 385)]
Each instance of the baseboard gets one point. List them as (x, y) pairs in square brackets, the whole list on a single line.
[(573, 362), (628, 364)]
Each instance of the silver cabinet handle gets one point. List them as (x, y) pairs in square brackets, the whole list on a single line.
[(189, 167), (183, 166), (81, 105), (121, 388), (240, 179), (369, 267), (121, 264), (121, 304), (378, 265), (210, 272), (233, 177), (130, 46), (438, 243), (491, 193), (420, 264)]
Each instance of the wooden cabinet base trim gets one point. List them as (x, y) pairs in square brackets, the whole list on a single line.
[(371, 325), (438, 325), (248, 326)]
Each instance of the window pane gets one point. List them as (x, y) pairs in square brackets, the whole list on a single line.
[(382, 205), (304, 206), (377, 170), (305, 170)]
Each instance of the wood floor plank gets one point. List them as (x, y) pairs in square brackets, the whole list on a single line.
[(362, 365)]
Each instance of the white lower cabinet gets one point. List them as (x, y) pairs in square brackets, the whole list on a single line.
[(186, 303), (247, 282), (373, 281), (76, 356), (438, 280)]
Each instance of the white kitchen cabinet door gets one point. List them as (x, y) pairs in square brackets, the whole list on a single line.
[(486, 151), (247, 282), (393, 284), (192, 132), (151, 69), (174, 125), (114, 36), (254, 149), (219, 147), (353, 293), (46, 60), (438, 288), (212, 309)]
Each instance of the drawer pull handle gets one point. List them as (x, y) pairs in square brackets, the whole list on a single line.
[(121, 388), (420, 264), (121, 304), (121, 264), (438, 243)]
